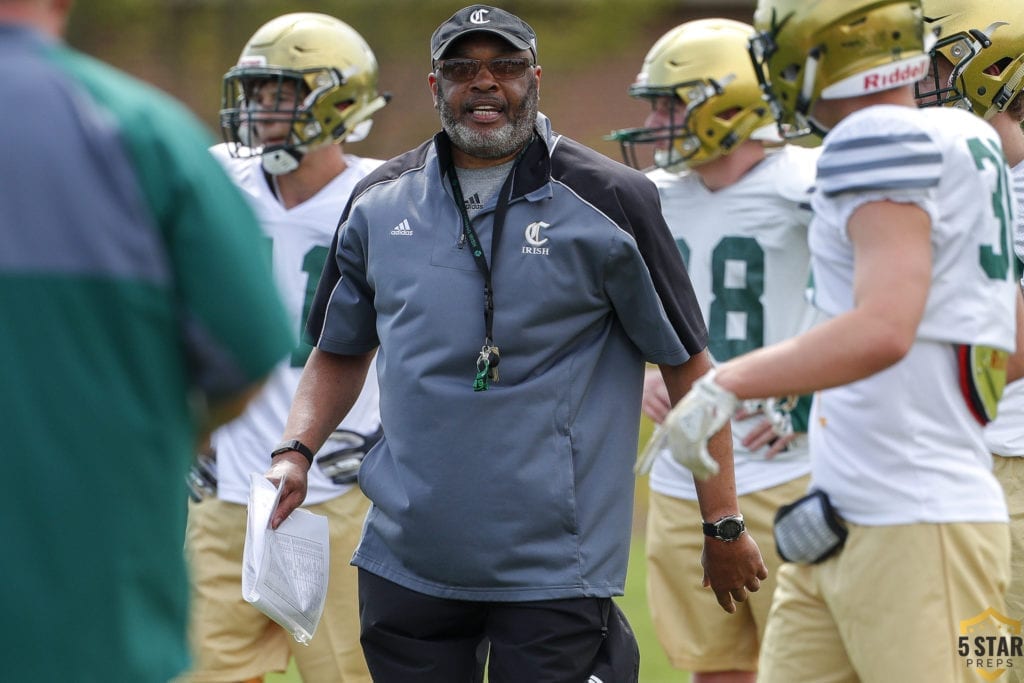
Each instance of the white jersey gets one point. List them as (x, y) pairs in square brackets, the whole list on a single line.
[(299, 240), (901, 446), (1005, 434), (745, 248), (1018, 191)]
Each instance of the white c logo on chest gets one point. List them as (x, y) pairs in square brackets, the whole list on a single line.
[(533, 237)]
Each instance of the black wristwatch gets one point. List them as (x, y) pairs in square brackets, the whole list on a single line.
[(293, 445), (727, 529)]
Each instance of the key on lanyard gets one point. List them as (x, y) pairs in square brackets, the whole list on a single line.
[(486, 367)]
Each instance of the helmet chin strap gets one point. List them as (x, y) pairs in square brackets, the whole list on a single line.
[(281, 160), (816, 128)]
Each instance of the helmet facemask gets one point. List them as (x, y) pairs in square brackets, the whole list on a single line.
[(314, 117), (987, 55), (677, 142), (952, 54), (631, 139), (310, 71), (796, 123), (799, 81), (713, 102)]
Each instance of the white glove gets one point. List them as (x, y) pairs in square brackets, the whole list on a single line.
[(698, 416)]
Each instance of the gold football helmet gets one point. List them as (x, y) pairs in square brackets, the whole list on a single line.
[(984, 44), (809, 49), (331, 91), (702, 70)]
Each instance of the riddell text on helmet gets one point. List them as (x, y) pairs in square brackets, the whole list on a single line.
[(910, 73)]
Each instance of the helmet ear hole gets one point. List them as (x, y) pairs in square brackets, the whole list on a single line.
[(996, 68), (727, 114)]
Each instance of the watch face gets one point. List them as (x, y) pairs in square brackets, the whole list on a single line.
[(730, 529)]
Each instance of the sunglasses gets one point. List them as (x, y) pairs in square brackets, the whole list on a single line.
[(461, 70)]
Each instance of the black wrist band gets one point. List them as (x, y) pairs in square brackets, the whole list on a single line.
[(294, 445)]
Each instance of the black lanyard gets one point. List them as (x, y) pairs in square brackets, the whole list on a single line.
[(487, 361)]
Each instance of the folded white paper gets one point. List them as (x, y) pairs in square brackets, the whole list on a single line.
[(284, 572)]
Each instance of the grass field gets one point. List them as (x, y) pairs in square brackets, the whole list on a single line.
[(654, 666)]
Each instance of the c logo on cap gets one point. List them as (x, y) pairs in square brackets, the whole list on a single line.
[(479, 16)]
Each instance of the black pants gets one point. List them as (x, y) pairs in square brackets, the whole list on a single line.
[(409, 637)]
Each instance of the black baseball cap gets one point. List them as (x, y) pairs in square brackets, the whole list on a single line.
[(486, 19)]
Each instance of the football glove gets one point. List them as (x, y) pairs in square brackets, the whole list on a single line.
[(202, 477), (342, 455), (689, 425), (777, 410)]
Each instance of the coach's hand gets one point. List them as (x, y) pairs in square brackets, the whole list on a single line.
[(732, 570), (292, 467)]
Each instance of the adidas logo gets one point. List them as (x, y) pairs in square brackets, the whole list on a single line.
[(402, 228), (473, 203)]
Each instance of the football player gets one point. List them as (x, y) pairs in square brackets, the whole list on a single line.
[(304, 85), (978, 65), (910, 248), (738, 210)]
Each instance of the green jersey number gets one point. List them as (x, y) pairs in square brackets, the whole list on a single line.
[(995, 259), (737, 285), (312, 265)]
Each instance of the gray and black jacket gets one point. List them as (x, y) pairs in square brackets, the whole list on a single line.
[(523, 491)]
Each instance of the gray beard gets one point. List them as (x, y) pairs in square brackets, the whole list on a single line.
[(491, 144)]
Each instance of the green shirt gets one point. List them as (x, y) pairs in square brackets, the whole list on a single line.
[(133, 286)]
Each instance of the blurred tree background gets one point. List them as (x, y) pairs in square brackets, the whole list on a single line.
[(590, 50)]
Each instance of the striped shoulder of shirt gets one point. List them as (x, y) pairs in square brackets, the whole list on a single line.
[(871, 161)]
